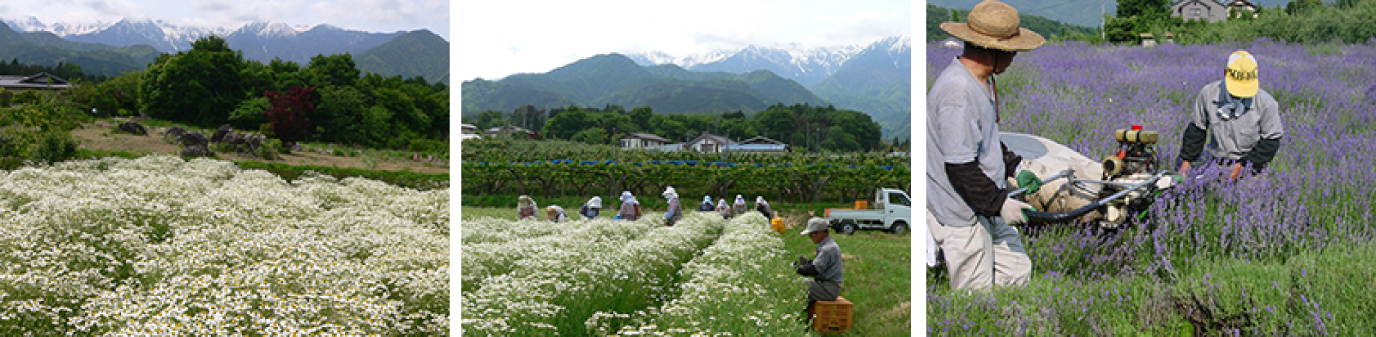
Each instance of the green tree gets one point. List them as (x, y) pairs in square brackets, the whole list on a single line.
[(341, 106), (591, 136), (1143, 8), (336, 69), (200, 86), (249, 114), (490, 119), (1297, 7)]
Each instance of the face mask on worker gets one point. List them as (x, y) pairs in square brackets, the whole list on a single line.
[(1231, 107)]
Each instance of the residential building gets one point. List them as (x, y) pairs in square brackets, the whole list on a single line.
[(636, 140), (708, 143), (40, 81)]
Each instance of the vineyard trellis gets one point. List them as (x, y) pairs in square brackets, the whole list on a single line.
[(554, 169)]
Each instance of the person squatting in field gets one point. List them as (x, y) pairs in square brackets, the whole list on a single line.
[(1241, 120), (525, 207), (723, 208), (675, 212), (706, 205), (630, 208), (826, 270), (738, 207), (555, 213), (591, 208), (967, 164)]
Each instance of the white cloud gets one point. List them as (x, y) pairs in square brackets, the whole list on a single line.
[(498, 38)]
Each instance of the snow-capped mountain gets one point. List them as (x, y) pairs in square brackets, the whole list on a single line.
[(807, 66), (260, 40), (32, 24), (264, 29)]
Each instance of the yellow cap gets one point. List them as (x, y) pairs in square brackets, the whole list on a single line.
[(1241, 75)]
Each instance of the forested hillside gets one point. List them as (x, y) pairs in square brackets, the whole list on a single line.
[(212, 84), (615, 79), (46, 49), (419, 53)]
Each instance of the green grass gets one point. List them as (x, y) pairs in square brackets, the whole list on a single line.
[(1314, 293), (877, 278)]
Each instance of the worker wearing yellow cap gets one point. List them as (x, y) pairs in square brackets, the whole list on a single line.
[(1240, 120)]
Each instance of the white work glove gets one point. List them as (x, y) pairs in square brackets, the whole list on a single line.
[(1012, 211)]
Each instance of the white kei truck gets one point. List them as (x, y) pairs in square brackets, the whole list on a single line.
[(892, 211)]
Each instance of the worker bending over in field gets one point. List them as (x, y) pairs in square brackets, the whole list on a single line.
[(525, 207), (706, 205), (826, 269), (1243, 120), (630, 208), (763, 207), (723, 208), (591, 208), (738, 207), (675, 211), (555, 213), (967, 165)]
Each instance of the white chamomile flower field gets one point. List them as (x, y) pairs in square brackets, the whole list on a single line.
[(159, 245), (705, 276)]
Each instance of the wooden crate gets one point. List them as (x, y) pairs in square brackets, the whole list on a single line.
[(833, 317)]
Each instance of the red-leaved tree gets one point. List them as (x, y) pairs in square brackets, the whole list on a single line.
[(288, 113)]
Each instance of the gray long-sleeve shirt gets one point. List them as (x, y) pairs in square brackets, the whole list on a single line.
[(828, 261), (1235, 138)]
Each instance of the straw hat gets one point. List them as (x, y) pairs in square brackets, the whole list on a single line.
[(994, 25)]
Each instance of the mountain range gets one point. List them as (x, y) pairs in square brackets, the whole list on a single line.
[(616, 79), (873, 78), (263, 41)]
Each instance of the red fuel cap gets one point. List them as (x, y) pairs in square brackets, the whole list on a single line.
[(1137, 127)]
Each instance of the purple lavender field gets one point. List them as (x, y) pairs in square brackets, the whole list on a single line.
[(1283, 253)]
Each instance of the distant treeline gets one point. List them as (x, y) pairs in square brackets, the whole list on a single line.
[(802, 126), (67, 71), (1051, 29)]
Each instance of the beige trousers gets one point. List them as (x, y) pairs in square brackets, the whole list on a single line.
[(987, 254)]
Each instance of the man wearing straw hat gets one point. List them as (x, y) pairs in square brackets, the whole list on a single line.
[(967, 166), (1245, 120)]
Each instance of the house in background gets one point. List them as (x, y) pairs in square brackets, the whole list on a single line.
[(759, 145), (40, 81), (636, 140), (512, 129), (468, 131), (1210, 10), (708, 143)]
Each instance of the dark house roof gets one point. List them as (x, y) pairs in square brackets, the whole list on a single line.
[(41, 81)]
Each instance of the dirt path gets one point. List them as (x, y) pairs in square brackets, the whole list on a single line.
[(102, 135)]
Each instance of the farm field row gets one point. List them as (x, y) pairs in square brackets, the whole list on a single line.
[(705, 275), (161, 245)]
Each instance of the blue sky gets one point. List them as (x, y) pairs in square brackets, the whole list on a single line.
[(500, 38), (365, 15)]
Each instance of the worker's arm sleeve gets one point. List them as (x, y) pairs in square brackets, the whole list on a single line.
[(1271, 132), (1010, 161), (983, 195), (1196, 132), (808, 270), (1262, 153), (1192, 144)]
